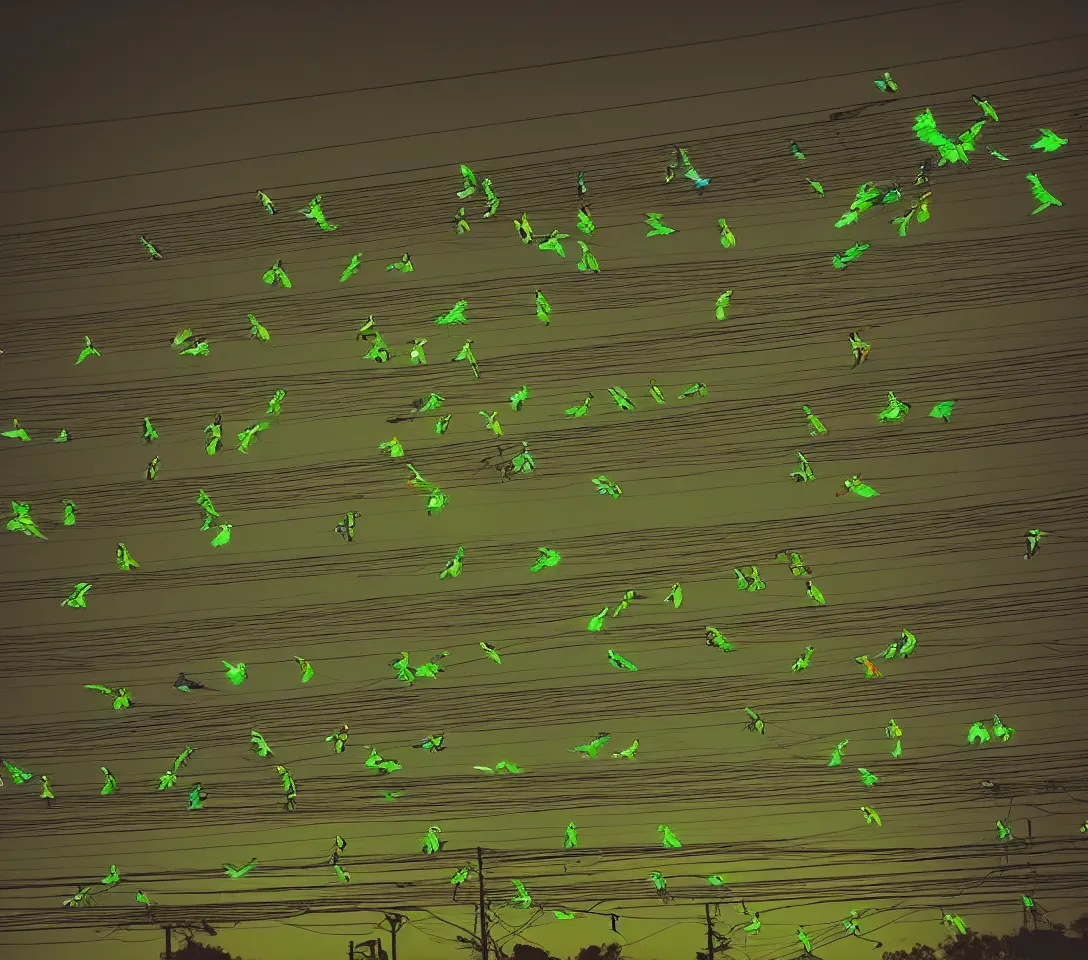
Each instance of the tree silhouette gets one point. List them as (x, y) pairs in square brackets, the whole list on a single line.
[(1051, 943), (525, 951), (606, 951), (195, 950)]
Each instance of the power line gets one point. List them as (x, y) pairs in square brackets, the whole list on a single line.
[(504, 123), (498, 71)]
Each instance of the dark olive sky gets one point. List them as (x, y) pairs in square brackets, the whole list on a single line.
[(165, 122)]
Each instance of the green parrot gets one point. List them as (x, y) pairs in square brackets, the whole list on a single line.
[(553, 241), (236, 673), (88, 350), (257, 330), (815, 425), (109, 784), (1049, 141), (588, 261), (548, 558), (518, 398), (726, 237), (620, 662), (657, 227), (16, 432), (455, 315), (493, 199), (125, 560), (943, 410), (543, 308), (524, 229), (580, 409), (77, 598), (849, 255), (1041, 194), (276, 274), (454, 565), (837, 752), (986, 107), (585, 221), (468, 180), (886, 84), (803, 661), (716, 638), (313, 211)]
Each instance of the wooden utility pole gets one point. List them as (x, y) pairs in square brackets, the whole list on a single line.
[(395, 921), (169, 950), (483, 911), (709, 934)]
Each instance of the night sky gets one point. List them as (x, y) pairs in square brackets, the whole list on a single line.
[(165, 122)]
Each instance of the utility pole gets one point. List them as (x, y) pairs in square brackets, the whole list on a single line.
[(709, 934), (395, 921), (483, 911), (169, 950)]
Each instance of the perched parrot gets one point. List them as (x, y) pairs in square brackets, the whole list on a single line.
[(726, 237), (276, 274), (588, 261), (518, 398), (886, 84), (848, 256), (125, 560), (815, 425), (468, 183), (619, 662), (88, 350), (580, 409), (1033, 539), (543, 308), (77, 598), (235, 673), (524, 228), (943, 410), (895, 411), (854, 485), (493, 199), (548, 558), (585, 221), (16, 432), (454, 565), (313, 211), (257, 330), (403, 265), (307, 671)]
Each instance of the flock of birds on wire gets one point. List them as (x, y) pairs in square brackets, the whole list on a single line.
[(869, 198)]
